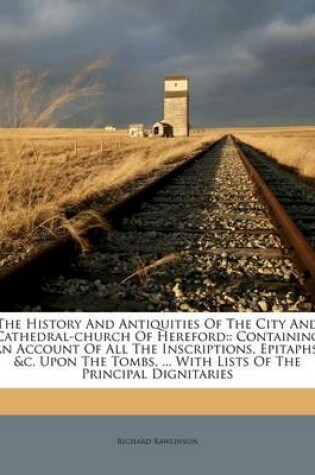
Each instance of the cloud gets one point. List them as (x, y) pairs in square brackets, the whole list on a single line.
[(242, 56), (283, 48), (41, 19), (284, 31)]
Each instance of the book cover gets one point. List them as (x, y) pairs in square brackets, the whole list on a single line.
[(157, 237)]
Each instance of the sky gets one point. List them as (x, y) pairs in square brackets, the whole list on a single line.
[(250, 62)]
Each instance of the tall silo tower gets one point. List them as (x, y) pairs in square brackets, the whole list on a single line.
[(176, 104)]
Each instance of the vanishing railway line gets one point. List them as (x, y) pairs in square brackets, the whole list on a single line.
[(201, 239)]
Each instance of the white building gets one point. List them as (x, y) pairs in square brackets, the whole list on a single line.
[(136, 130)]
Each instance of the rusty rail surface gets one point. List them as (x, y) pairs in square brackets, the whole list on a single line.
[(303, 253), (24, 279)]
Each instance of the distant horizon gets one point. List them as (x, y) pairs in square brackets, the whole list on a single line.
[(197, 128)]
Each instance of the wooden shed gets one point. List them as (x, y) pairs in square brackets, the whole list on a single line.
[(162, 129)]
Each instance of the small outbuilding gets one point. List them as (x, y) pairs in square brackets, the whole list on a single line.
[(110, 128), (136, 130), (162, 129)]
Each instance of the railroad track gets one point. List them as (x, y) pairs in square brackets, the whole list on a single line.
[(297, 198), (200, 239)]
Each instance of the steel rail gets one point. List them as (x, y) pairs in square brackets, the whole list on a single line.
[(303, 252), (24, 279)]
